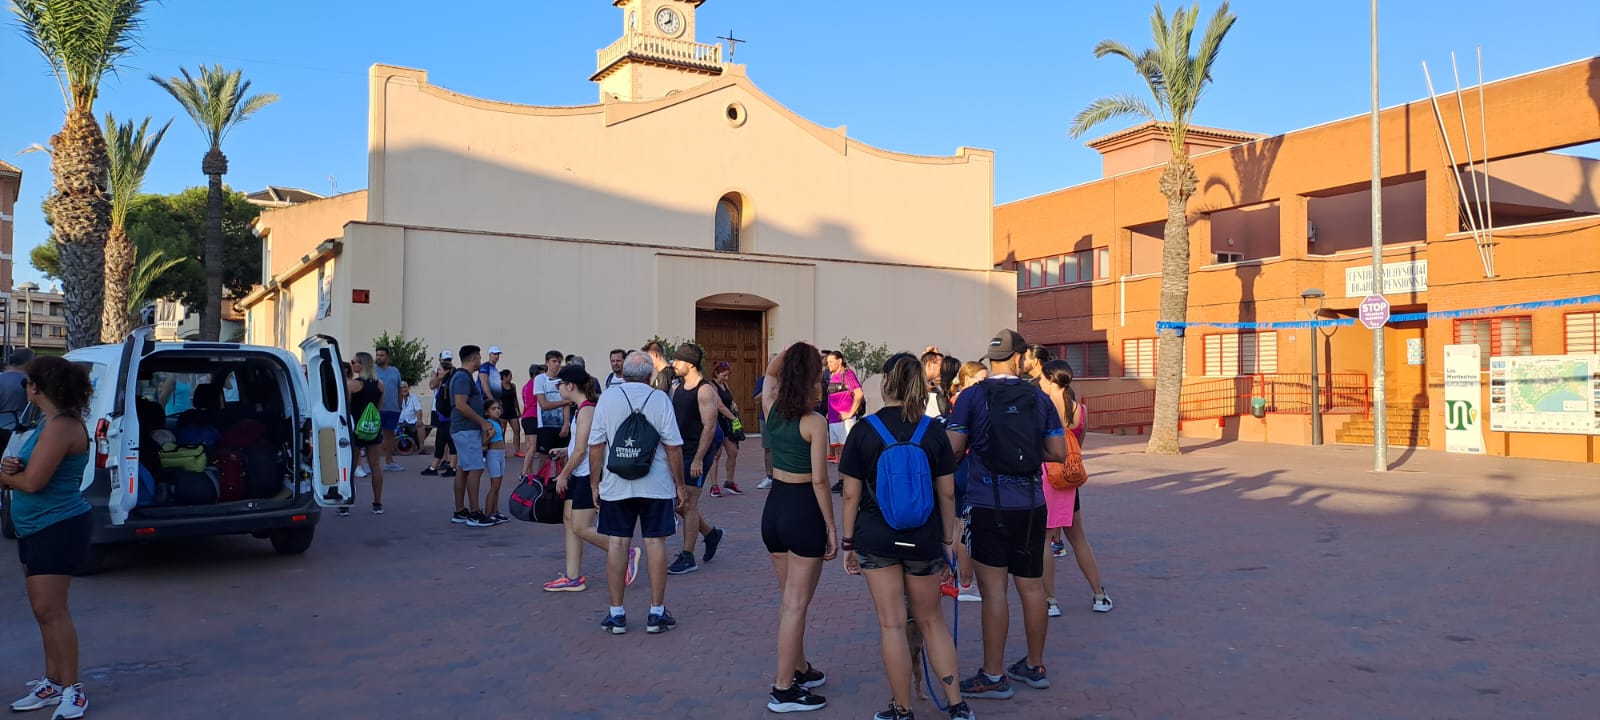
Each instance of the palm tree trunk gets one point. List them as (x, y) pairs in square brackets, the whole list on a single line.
[(215, 165), (115, 321), (1178, 185), (81, 211)]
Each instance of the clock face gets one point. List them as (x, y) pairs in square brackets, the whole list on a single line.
[(667, 21)]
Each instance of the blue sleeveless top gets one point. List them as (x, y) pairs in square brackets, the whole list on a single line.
[(60, 499)]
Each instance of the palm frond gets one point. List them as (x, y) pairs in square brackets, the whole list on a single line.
[(215, 99), (150, 268), (1107, 108), (1210, 46), (1145, 62), (82, 40), (130, 149)]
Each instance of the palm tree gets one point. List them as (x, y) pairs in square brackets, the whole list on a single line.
[(151, 267), (131, 149), (217, 102), (81, 40), (1176, 73)]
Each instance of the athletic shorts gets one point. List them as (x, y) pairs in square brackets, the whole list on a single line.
[(580, 492), (530, 425), (549, 438), (914, 568), (705, 467), (792, 522), (494, 463), (390, 420), (58, 549), (1010, 539), (469, 449), (654, 517)]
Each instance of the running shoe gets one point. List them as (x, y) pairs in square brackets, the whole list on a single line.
[(684, 565), (795, 699), (713, 541), (716, 491), (615, 624), (659, 623), (732, 488), (499, 519), (478, 519), (447, 472), (377, 508), (562, 583), (810, 678), (342, 512), (765, 484), (73, 703), (430, 471), (969, 593), (1102, 602), (982, 685), (838, 488), (461, 517), (1058, 548), (960, 711), (633, 564), (1052, 609), (895, 712), (393, 467), (42, 693), (1033, 677)]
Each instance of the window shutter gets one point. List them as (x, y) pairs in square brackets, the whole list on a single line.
[(1583, 333)]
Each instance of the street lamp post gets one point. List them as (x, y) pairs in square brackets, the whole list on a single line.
[(1306, 297)]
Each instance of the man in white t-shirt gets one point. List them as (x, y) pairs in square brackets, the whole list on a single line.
[(649, 502), (615, 377), (551, 417)]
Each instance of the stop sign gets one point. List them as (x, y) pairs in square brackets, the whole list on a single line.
[(1374, 312)]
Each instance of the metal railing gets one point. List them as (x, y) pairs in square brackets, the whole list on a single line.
[(1212, 398), (684, 52)]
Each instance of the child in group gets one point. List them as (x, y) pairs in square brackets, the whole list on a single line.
[(495, 461)]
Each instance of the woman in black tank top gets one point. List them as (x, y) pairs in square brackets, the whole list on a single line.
[(726, 415)]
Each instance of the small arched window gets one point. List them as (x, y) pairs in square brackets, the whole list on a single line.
[(730, 213)]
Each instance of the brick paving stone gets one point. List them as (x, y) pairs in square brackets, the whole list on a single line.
[(1250, 580)]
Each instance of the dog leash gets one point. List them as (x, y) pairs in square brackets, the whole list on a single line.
[(955, 639)]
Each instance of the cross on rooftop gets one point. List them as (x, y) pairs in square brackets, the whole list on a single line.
[(733, 43)]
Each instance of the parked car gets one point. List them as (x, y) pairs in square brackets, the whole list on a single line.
[(198, 438)]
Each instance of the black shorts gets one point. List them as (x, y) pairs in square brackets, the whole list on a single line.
[(914, 568), (654, 517), (792, 521), (58, 549), (548, 439), (530, 426), (1010, 539), (580, 492), (707, 462)]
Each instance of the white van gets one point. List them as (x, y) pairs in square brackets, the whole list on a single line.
[(300, 456)]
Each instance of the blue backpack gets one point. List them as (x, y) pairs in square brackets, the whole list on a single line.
[(905, 480)]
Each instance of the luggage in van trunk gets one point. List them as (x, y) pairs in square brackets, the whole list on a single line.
[(263, 473), (186, 487), (229, 464), (183, 457)]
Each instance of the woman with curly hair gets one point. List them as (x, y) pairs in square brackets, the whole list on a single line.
[(797, 524), (53, 524)]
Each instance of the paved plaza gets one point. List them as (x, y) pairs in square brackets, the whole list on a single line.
[(1250, 580)]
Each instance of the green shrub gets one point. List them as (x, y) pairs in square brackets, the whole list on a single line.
[(408, 355)]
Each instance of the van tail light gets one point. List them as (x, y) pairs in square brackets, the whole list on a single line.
[(102, 443)]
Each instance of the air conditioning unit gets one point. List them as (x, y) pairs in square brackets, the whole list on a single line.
[(1228, 257)]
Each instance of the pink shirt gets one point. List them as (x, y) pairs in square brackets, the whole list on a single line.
[(839, 403)]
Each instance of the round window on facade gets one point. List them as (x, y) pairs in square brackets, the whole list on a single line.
[(736, 114)]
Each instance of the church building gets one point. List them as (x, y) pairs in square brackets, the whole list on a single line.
[(686, 203)]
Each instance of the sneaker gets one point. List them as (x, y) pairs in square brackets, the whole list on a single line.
[(478, 519), (461, 517), (342, 512), (1058, 548), (732, 488), (562, 583), (969, 593), (615, 624), (838, 488), (73, 703), (1033, 677), (499, 519), (393, 467), (1052, 609), (894, 712), (1102, 602), (795, 699), (447, 471), (714, 541), (810, 678), (765, 484), (960, 711), (42, 693), (659, 623), (430, 471), (716, 491), (363, 471), (684, 565), (633, 564), (982, 686)]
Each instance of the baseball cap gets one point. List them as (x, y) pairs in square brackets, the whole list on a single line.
[(574, 374), (1005, 344), (689, 353), (446, 355), (494, 349)]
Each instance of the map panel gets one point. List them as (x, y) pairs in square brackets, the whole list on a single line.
[(1545, 393)]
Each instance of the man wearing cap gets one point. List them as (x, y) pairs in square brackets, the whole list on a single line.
[(695, 402), (444, 447), (489, 373), (1011, 427)]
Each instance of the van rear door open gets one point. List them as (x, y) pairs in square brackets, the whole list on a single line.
[(117, 436), (330, 422)]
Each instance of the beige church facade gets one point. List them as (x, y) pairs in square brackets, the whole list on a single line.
[(685, 204)]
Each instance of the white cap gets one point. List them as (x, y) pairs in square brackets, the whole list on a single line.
[(494, 349), (446, 355)]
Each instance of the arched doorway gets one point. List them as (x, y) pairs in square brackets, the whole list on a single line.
[(732, 327)]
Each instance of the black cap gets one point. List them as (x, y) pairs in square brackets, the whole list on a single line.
[(574, 374), (689, 353), (1005, 344)]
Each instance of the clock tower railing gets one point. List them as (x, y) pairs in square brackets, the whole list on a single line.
[(662, 49)]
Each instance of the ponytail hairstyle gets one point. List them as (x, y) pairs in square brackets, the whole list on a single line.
[(964, 376), (591, 390), (798, 381), (905, 383), (1059, 373), (949, 368)]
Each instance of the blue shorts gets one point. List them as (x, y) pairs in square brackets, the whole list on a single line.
[(654, 518), (469, 449), (390, 420), (705, 467), (495, 464)]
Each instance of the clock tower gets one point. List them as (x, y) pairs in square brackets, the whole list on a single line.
[(657, 54)]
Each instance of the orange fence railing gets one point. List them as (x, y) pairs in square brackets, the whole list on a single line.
[(1211, 398)]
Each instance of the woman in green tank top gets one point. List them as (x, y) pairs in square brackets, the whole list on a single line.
[(53, 524)]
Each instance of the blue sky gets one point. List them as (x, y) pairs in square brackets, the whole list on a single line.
[(920, 77)]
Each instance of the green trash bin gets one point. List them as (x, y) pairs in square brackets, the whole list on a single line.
[(1258, 407)]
